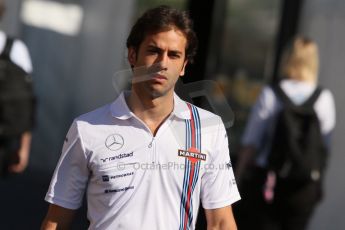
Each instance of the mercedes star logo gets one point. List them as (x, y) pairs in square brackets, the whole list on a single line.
[(114, 142)]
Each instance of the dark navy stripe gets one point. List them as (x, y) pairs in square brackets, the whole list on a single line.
[(187, 187)]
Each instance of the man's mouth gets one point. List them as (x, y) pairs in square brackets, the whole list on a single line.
[(158, 77)]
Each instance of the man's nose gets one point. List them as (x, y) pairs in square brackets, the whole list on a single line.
[(163, 61)]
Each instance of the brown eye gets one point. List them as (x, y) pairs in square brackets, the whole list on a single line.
[(152, 51), (174, 56)]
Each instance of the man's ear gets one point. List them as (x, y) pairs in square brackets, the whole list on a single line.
[(183, 68), (132, 56)]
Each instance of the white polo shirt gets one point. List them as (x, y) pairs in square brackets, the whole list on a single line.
[(134, 180)]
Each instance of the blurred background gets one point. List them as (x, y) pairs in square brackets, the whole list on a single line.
[(78, 46)]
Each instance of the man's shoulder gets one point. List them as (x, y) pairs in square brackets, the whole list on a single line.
[(97, 116), (203, 113), (208, 120)]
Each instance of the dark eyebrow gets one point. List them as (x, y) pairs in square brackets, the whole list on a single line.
[(175, 52), (156, 48), (153, 47)]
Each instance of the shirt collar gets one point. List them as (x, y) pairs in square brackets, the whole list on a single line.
[(181, 109), (120, 109)]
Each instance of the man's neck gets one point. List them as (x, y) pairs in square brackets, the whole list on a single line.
[(152, 111)]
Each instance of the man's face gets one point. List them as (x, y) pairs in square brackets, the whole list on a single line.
[(158, 63)]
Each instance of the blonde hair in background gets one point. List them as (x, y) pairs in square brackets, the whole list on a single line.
[(301, 60)]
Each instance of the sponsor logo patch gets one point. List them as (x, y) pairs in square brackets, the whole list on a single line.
[(107, 178), (118, 190), (117, 157), (192, 154), (114, 142)]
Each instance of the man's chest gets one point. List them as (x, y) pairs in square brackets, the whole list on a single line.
[(122, 159)]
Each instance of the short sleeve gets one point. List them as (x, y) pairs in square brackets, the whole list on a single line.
[(20, 55), (71, 174), (325, 109), (218, 185)]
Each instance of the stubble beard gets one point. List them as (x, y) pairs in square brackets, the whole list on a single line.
[(149, 90)]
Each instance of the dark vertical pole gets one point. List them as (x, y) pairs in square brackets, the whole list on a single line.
[(202, 13), (215, 48), (287, 30)]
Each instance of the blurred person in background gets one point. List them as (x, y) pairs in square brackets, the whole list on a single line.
[(141, 159), (285, 145), (16, 103)]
